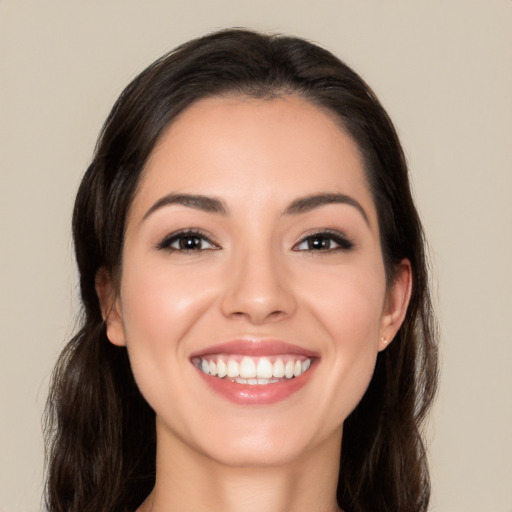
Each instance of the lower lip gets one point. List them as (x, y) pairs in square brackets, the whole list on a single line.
[(258, 394)]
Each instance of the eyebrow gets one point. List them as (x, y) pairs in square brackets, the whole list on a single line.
[(297, 207), (198, 202), (312, 202)]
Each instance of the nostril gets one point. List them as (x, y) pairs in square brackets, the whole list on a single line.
[(257, 292), (277, 314), (257, 317)]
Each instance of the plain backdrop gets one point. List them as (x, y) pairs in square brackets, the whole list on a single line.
[(442, 68)]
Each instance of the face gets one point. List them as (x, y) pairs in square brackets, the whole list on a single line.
[(253, 297)]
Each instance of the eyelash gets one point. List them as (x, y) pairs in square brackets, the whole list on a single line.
[(344, 244), (198, 237), (190, 234)]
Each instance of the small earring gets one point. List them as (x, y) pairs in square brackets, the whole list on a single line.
[(384, 340)]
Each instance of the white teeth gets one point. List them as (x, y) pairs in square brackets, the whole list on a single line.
[(233, 368), (257, 371), (288, 369), (222, 370), (278, 369), (247, 368), (255, 382), (264, 368)]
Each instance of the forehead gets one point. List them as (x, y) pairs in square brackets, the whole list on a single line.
[(242, 148)]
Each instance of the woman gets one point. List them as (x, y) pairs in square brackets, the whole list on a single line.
[(255, 291)]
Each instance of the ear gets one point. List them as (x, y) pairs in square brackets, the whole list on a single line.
[(110, 307), (397, 300)]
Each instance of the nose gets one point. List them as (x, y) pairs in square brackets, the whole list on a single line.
[(258, 289)]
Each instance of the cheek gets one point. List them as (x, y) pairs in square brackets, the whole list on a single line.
[(160, 303), (347, 307), (159, 308), (348, 301)]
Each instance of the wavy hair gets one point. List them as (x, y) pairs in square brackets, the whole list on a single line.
[(101, 441)]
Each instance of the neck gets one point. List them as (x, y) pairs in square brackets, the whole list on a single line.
[(190, 481)]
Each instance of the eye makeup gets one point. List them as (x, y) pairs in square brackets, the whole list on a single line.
[(196, 240), (326, 241), (188, 241)]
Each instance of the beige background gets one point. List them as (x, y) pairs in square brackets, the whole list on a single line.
[(442, 69)]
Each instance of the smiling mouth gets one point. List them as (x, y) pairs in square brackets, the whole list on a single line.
[(253, 370)]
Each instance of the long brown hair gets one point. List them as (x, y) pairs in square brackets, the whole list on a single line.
[(100, 431)]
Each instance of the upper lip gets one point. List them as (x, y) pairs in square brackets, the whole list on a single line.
[(256, 348)]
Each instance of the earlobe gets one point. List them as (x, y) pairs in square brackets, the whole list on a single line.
[(110, 307), (397, 302)]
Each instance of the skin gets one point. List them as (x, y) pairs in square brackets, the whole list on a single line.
[(256, 278)]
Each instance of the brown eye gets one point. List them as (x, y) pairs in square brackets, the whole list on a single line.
[(324, 242), (189, 241)]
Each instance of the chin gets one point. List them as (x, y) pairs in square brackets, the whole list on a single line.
[(257, 452), (245, 442)]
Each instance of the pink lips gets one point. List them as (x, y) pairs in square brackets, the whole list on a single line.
[(265, 394)]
